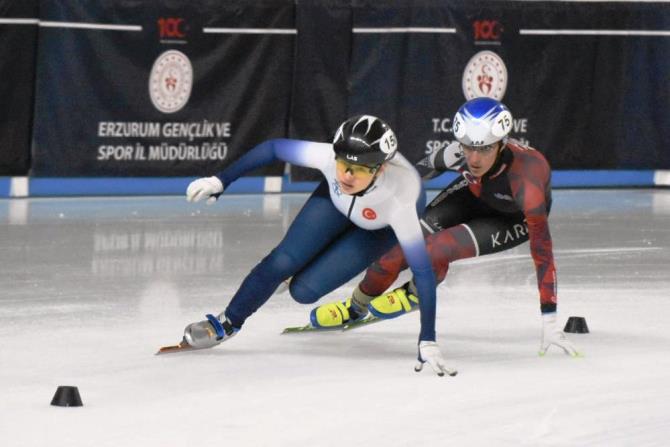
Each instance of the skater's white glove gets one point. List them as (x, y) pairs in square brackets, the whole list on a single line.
[(429, 352), (553, 335), (206, 187)]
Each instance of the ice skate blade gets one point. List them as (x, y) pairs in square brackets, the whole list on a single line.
[(370, 319), (181, 347)]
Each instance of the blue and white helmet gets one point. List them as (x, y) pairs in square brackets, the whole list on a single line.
[(482, 121)]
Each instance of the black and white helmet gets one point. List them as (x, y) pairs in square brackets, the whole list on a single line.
[(365, 140)]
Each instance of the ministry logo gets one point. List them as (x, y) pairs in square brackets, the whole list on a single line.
[(171, 81), (485, 75)]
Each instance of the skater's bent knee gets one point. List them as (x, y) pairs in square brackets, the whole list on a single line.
[(302, 292)]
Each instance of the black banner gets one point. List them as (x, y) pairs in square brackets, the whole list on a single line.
[(323, 51), (129, 88), (180, 88), (18, 39), (571, 89)]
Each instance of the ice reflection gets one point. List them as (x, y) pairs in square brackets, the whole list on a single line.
[(157, 251)]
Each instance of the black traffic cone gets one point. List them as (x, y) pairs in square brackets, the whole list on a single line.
[(67, 396), (576, 325)]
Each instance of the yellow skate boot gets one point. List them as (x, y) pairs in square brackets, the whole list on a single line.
[(394, 304), (334, 315)]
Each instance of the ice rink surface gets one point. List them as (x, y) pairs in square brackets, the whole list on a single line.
[(91, 287)]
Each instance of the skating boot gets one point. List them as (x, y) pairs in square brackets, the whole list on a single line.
[(337, 314), (209, 332), (394, 304)]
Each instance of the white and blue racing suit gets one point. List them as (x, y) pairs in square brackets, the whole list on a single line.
[(336, 236)]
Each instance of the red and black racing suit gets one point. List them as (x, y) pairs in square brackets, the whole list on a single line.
[(473, 217)]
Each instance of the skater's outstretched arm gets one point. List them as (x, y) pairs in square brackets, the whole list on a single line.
[(298, 152), (409, 234), (302, 153)]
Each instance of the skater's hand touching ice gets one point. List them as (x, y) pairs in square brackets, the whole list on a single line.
[(553, 335), (429, 352)]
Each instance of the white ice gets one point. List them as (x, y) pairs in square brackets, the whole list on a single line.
[(92, 287)]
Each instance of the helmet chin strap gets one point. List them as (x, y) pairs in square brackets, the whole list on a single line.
[(496, 164)]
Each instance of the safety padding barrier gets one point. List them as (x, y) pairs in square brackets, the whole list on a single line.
[(124, 186)]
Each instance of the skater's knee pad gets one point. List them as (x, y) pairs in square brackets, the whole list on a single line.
[(302, 292)]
